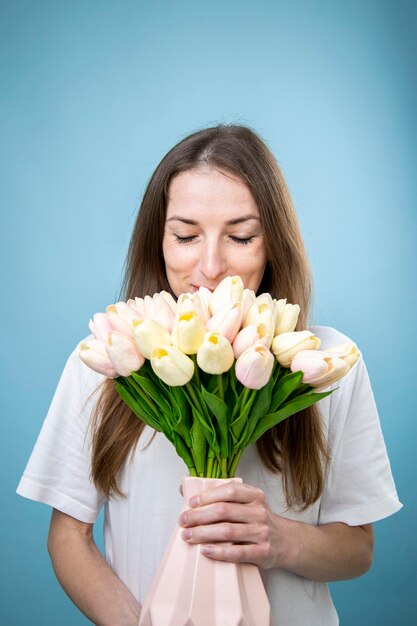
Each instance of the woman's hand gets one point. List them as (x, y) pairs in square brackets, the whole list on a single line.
[(238, 514)]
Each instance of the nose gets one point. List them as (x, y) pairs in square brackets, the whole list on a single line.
[(212, 262)]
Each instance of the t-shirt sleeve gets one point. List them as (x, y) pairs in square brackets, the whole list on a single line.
[(359, 488), (58, 470)]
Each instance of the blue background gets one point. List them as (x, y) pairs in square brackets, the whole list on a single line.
[(92, 96)]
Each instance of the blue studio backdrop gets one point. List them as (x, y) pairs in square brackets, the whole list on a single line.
[(92, 96)]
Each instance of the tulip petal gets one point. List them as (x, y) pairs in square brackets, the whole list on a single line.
[(172, 366), (123, 353), (93, 354)]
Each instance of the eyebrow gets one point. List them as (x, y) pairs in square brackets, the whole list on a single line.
[(236, 220)]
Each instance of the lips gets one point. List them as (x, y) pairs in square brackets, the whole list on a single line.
[(196, 287)]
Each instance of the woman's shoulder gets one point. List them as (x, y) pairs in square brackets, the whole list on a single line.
[(329, 336)]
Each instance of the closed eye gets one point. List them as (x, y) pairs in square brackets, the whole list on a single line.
[(242, 240), (184, 239)]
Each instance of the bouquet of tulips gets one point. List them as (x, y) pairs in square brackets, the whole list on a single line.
[(213, 370)]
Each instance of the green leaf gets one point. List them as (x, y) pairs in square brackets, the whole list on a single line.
[(136, 407), (181, 418), (183, 450), (208, 430), (221, 413), (199, 445), (260, 409), (284, 387), (238, 425), (212, 384), (153, 391), (141, 396), (292, 407), (233, 386), (138, 395), (198, 408)]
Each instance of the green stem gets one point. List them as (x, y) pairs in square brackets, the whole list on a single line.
[(234, 464), (224, 468), (195, 398), (143, 394), (210, 467), (220, 384), (196, 372), (244, 397), (214, 469)]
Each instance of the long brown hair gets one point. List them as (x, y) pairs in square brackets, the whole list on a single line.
[(295, 448)]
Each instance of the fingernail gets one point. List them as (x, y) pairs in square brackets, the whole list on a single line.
[(194, 501), (206, 549), (186, 534), (183, 519)]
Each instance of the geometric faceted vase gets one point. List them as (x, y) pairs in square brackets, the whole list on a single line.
[(190, 589)]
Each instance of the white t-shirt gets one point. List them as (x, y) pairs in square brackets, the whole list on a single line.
[(359, 487)]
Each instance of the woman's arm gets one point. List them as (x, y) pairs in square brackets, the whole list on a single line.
[(239, 513), (86, 577)]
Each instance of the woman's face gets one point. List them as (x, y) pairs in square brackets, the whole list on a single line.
[(212, 230)]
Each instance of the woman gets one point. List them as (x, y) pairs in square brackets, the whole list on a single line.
[(217, 205)]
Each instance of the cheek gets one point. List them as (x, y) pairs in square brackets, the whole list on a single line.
[(176, 258), (253, 261)]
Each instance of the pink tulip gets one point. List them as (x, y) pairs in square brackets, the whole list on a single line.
[(123, 353), (320, 369), (124, 311), (138, 313), (93, 354), (100, 326), (226, 320), (158, 309), (120, 325), (254, 367), (249, 336), (121, 317)]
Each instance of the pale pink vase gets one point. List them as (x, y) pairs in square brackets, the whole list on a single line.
[(190, 589)]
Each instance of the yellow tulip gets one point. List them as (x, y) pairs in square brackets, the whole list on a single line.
[(347, 351), (229, 290), (286, 346), (188, 332), (286, 316), (172, 366), (261, 312), (148, 335), (215, 355)]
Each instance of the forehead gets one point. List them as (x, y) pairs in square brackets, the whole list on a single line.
[(206, 189)]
